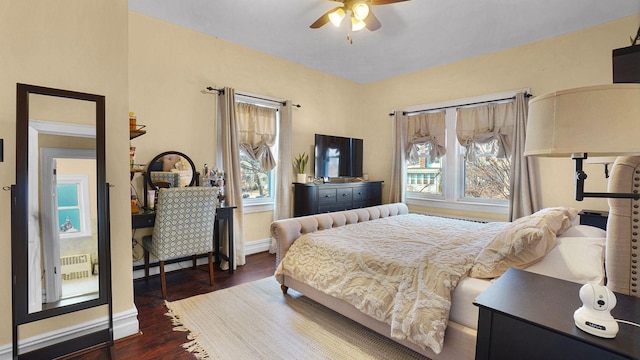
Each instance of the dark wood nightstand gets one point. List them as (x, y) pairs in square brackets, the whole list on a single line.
[(595, 218), (529, 316)]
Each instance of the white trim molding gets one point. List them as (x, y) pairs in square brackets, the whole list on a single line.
[(124, 324), (250, 247)]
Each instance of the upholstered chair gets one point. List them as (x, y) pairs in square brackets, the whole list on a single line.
[(183, 227)]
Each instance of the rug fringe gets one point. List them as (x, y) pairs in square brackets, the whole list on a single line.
[(192, 346)]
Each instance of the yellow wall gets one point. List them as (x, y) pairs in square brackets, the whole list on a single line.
[(577, 59), (73, 45), (170, 66)]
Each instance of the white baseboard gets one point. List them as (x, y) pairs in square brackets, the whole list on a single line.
[(251, 247), (155, 270), (124, 324), (254, 247)]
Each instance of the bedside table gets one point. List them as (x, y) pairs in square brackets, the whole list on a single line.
[(529, 316)]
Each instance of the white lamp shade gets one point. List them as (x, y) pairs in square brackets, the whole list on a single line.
[(357, 25), (360, 10), (336, 17), (599, 120)]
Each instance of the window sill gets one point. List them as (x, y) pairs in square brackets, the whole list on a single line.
[(257, 207), (502, 209)]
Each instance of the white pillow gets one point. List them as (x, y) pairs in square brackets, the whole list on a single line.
[(585, 230), (574, 258), (520, 244)]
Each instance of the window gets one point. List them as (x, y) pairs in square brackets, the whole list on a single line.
[(488, 176), (258, 127), (256, 182), (459, 154), (425, 176), (74, 212)]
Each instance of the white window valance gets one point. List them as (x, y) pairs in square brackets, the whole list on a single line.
[(257, 129), (427, 128), (483, 124)]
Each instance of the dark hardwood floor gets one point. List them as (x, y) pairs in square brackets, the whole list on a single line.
[(157, 339)]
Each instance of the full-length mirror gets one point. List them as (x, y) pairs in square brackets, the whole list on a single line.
[(59, 226)]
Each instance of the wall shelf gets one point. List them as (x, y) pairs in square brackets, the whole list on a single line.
[(137, 132)]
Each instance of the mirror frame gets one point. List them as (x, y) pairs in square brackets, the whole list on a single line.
[(148, 184), (20, 218), (160, 156)]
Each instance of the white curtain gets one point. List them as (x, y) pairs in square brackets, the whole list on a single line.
[(482, 124), (231, 166), (257, 129), (398, 157), (524, 197), (284, 176), (430, 129)]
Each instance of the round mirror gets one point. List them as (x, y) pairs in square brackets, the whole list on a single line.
[(171, 169)]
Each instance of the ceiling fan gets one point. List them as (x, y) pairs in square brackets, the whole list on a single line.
[(361, 16)]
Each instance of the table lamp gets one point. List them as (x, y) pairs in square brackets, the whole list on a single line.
[(601, 120)]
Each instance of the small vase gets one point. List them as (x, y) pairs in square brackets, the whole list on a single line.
[(301, 178)]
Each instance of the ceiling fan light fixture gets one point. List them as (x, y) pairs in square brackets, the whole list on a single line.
[(360, 10), (336, 17), (356, 24)]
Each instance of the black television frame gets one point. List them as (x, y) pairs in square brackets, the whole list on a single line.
[(349, 161)]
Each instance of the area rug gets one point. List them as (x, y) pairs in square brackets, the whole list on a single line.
[(256, 321)]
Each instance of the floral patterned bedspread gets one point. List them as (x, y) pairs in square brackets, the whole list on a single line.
[(400, 269)]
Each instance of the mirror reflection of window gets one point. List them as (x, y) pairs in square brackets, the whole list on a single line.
[(333, 162), (73, 205)]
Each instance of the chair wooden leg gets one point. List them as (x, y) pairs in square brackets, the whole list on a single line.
[(211, 268), (163, 281), (146, 264), (193, 259)]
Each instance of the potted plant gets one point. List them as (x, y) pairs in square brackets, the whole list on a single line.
[(300, 164)]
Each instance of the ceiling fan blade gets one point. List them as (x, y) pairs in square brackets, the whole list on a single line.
[(372, 22), (322, 20), (384, 2)]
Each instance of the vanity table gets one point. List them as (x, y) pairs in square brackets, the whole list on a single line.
[(224, 216)]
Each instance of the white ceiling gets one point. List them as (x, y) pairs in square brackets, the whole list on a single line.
[(415, 34)]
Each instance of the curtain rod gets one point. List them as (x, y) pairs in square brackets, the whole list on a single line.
[(221, 91), (527, 95)]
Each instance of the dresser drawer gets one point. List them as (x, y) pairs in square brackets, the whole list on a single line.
[(334, 207), (326, 196), (344, 195), (360, 193), (143, 220)]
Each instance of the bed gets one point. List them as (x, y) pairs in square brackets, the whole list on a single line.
[(575, 253)]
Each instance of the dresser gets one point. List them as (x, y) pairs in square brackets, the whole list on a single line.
[(312, 199)]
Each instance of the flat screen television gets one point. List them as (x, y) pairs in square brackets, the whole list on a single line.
[(337, 156)]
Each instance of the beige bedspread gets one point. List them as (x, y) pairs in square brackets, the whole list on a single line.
[(400, 270)]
